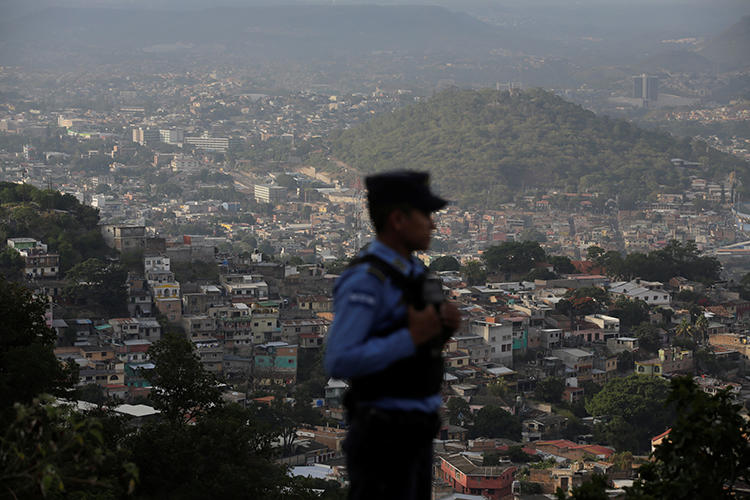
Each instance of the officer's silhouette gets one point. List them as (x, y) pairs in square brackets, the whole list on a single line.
[(386, 340)]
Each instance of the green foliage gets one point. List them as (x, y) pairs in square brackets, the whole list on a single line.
[(529, 488), (648, 337), (11, 264), (226, 454), (594, 253), (182, 388), (582, 301), (541, 273), (282, 419), (194, 272), (474, 273), (685, 329), (625, 362), (93, 393), (445, 263), (459, 412), (494, 422), (99, 285), (311, 375), (513, 257), (622, 461), (28, 366), (482, 147), (706, 453), (51, 451), (675, 259), (336, 266), (708, 362), (574, 428), (630, 312), (132, 261), (600, 295), (562, 264), (516, 455), (532, 234), (594, 488), (550, 389), (58, 220), (636, 408)]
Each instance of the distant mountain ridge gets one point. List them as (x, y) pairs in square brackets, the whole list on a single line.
[(732, 47), (484, 147), (277, 29)]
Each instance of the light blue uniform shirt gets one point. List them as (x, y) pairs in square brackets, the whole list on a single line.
[(363, 304)]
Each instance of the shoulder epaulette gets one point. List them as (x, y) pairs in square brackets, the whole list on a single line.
[(377, 273), (379, 268)]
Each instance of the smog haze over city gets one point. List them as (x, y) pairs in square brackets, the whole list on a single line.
[(182, 184)]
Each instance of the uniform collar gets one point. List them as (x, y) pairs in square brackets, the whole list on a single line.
[(389, 255)]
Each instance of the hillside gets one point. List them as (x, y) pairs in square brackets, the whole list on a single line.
[(732, 47), (484, 147), (66, 226)]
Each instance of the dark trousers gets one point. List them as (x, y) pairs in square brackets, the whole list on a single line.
[(389, 454)]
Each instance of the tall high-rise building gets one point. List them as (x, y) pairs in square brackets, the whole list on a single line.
[(646, 87)]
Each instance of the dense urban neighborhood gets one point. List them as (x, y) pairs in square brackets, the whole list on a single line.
[(170, 241)]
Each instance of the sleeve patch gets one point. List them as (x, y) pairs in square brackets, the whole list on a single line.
[(364, 298)]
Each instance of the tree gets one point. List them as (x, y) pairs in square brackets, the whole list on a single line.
[(459, 412), (701, 328), (594, 253), (182, 388), (600, 295), (648, 337), (474, 273), (512, 257), (494, 422), (48, 450), (498, 387), (625, 362), (623, 461), (541, 273), (11, 264), (562, 264), (550, 389), (311, 375), (28, 366), (99, 284), (532, 234), (630, 312), (594, 488), (282, 419), (517, 455), (445, 263), (582, 301), (226, 454), (574, 428), (637, 410), (614, 264), (706, 452), (684, 329)]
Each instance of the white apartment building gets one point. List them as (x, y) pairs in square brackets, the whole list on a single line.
[(499, 336)]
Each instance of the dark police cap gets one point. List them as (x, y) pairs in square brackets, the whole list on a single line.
[(403, 186)]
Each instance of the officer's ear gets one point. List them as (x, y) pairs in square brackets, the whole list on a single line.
[(398, 217)]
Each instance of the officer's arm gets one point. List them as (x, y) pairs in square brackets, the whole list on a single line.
[(349, 351)]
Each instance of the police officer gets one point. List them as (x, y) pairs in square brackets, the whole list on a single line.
[(386, 341)]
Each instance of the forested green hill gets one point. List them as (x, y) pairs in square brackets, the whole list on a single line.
[(485, 147), (59, 220)]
